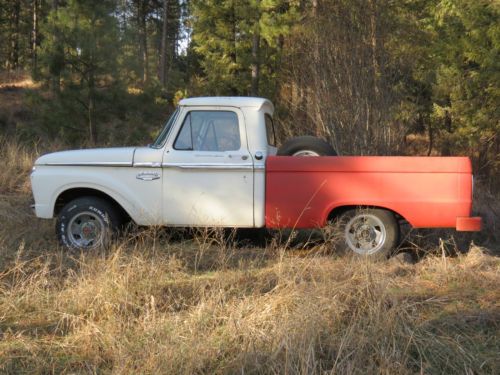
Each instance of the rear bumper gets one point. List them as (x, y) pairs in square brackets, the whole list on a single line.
[(469, 224)]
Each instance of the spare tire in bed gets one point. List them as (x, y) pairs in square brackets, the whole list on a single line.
[(306, 146)]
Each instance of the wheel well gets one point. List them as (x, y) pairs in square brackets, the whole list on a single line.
[(337, 211), (68, 195)]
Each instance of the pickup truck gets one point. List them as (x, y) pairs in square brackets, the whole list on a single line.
[(215, 164)]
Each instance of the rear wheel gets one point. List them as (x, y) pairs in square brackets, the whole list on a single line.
[(306, 146), (372, 233), (86, 223)]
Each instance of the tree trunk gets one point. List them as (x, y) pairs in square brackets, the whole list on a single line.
[(316, 110), (233, 33), (374, 99), (143, 38), (34, 40), (431, 139), (56, 73), (447, 121), (163, 52), (91, 109), (233, 89), (13, 59), (374, 47), (255, 60)]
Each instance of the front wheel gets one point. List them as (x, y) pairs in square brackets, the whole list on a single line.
[(372, 233), (86, 223)]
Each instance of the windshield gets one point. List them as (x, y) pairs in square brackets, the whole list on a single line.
[(163, 134)]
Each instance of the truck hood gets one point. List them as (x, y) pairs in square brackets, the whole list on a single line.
[(118, 156)]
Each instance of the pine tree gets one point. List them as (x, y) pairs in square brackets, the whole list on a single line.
[(238, 42), (84, 51), (466, 91)]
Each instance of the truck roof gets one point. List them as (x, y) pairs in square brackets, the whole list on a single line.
[(230, 101)]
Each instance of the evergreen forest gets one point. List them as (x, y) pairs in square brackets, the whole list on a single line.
[(383, 77)]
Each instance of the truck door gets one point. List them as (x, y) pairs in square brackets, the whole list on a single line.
[(208, 171)]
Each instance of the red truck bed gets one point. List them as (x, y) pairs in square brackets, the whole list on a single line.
[(426, 191)]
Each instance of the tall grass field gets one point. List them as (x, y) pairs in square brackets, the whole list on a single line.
[(161, 302)]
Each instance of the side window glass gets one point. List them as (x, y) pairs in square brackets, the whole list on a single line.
[(184, 140), (209, 131)]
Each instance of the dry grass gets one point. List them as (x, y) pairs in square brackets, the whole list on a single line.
[(16, 79), (134, 310), (13, 173), (162, 303)]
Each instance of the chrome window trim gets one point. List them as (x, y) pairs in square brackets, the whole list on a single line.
[(169, 131)]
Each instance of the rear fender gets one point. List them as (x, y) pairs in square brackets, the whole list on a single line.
[(333, 210)]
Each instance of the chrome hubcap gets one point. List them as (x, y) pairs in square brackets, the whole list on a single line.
[(365, 234), (306, 153), (86, 230)]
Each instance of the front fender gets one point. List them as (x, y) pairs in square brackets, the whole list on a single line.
[(138, 198)]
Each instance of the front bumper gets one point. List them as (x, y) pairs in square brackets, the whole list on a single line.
[(469, 224)]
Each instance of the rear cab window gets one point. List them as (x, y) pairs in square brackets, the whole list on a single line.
[(271, 135)]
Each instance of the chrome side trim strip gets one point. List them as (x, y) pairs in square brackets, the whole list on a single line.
[(91, 164), (148, 176), (209, 166), (147, 165)]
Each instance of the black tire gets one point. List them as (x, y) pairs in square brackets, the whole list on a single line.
[(370, 232), (315, 146), (98, 221)]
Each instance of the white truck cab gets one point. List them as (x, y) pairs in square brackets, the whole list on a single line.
[(206, 168), (212, 158)]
